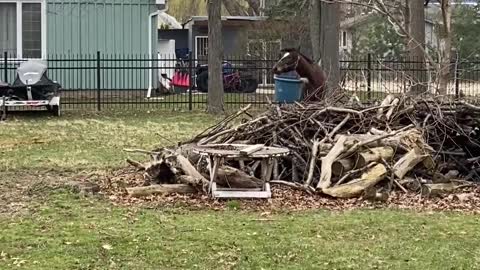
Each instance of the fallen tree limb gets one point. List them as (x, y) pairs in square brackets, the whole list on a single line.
[(136, 164), (354, 148), (408, 162), (234, 178), (160, 189), (373, 154), (327, 161), (354, 172), (296, 186), (356, 187), (313, 162)]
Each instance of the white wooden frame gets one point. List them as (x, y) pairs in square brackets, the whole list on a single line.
[(43, 15)]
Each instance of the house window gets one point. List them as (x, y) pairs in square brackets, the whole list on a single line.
[(22, 28), (8, 28), (201, 46), (344, 39), (32, 30)]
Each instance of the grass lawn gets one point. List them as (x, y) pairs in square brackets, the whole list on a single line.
[(42, 227)]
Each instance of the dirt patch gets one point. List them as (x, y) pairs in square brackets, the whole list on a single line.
[(283, 199)]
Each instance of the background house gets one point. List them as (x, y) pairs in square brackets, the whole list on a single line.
[(37, 28), (50, 29), (194, 35)]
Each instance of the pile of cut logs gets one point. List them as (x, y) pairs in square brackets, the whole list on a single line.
[(423, 146)]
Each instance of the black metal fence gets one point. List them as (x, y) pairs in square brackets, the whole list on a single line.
[(109, 81)]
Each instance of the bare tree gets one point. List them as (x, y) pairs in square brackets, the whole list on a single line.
[(416, 28), (215, 57), (442, 67), (315, 19), (324, 34), (445, 40), (329, 38)]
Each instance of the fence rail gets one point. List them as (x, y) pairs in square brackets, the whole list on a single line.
[(101, 81)]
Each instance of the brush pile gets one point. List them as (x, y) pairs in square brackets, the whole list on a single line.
[(422, 146)]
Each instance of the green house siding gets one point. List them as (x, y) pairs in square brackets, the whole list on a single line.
[(111, 26), (117, 28)]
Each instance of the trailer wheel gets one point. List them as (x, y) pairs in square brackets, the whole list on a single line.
[(56, 110)]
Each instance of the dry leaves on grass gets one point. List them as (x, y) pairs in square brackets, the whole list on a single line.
[(285, 199)]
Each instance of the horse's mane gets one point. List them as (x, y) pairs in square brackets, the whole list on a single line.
[(309, 60)]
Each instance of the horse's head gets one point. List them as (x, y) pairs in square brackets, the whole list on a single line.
[(288, 61)]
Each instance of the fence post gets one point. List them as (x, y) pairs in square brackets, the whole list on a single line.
[(99, 105), (5, 67), (457, 80), (190, 75), (369, 77)]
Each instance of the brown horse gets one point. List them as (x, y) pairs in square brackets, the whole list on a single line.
[(315, 77)]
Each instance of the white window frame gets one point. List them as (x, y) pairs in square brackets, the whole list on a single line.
[(197, 42), (43, 16)]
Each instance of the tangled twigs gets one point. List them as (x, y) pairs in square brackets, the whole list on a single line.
[(377, 145)]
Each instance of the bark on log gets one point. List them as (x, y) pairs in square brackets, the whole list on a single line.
[(189, 180), (327, 161), (356, 187), (313, 162), (433, 190), (186, 150), (188, 169), (405, 140), (231, 177), (408, 162), (160, 189), (374, 154), (341, 166), (385, 102)]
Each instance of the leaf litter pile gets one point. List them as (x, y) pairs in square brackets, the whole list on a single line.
[(401, 152)]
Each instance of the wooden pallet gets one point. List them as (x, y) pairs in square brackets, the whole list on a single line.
[(241, 193)]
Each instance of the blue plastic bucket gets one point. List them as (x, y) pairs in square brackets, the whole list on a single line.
[(288, 90)]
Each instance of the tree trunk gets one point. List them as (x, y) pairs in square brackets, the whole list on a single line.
[(329, 40), (416, 46), (315, 29), (445, 38), (406, 17), (215, 57)]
